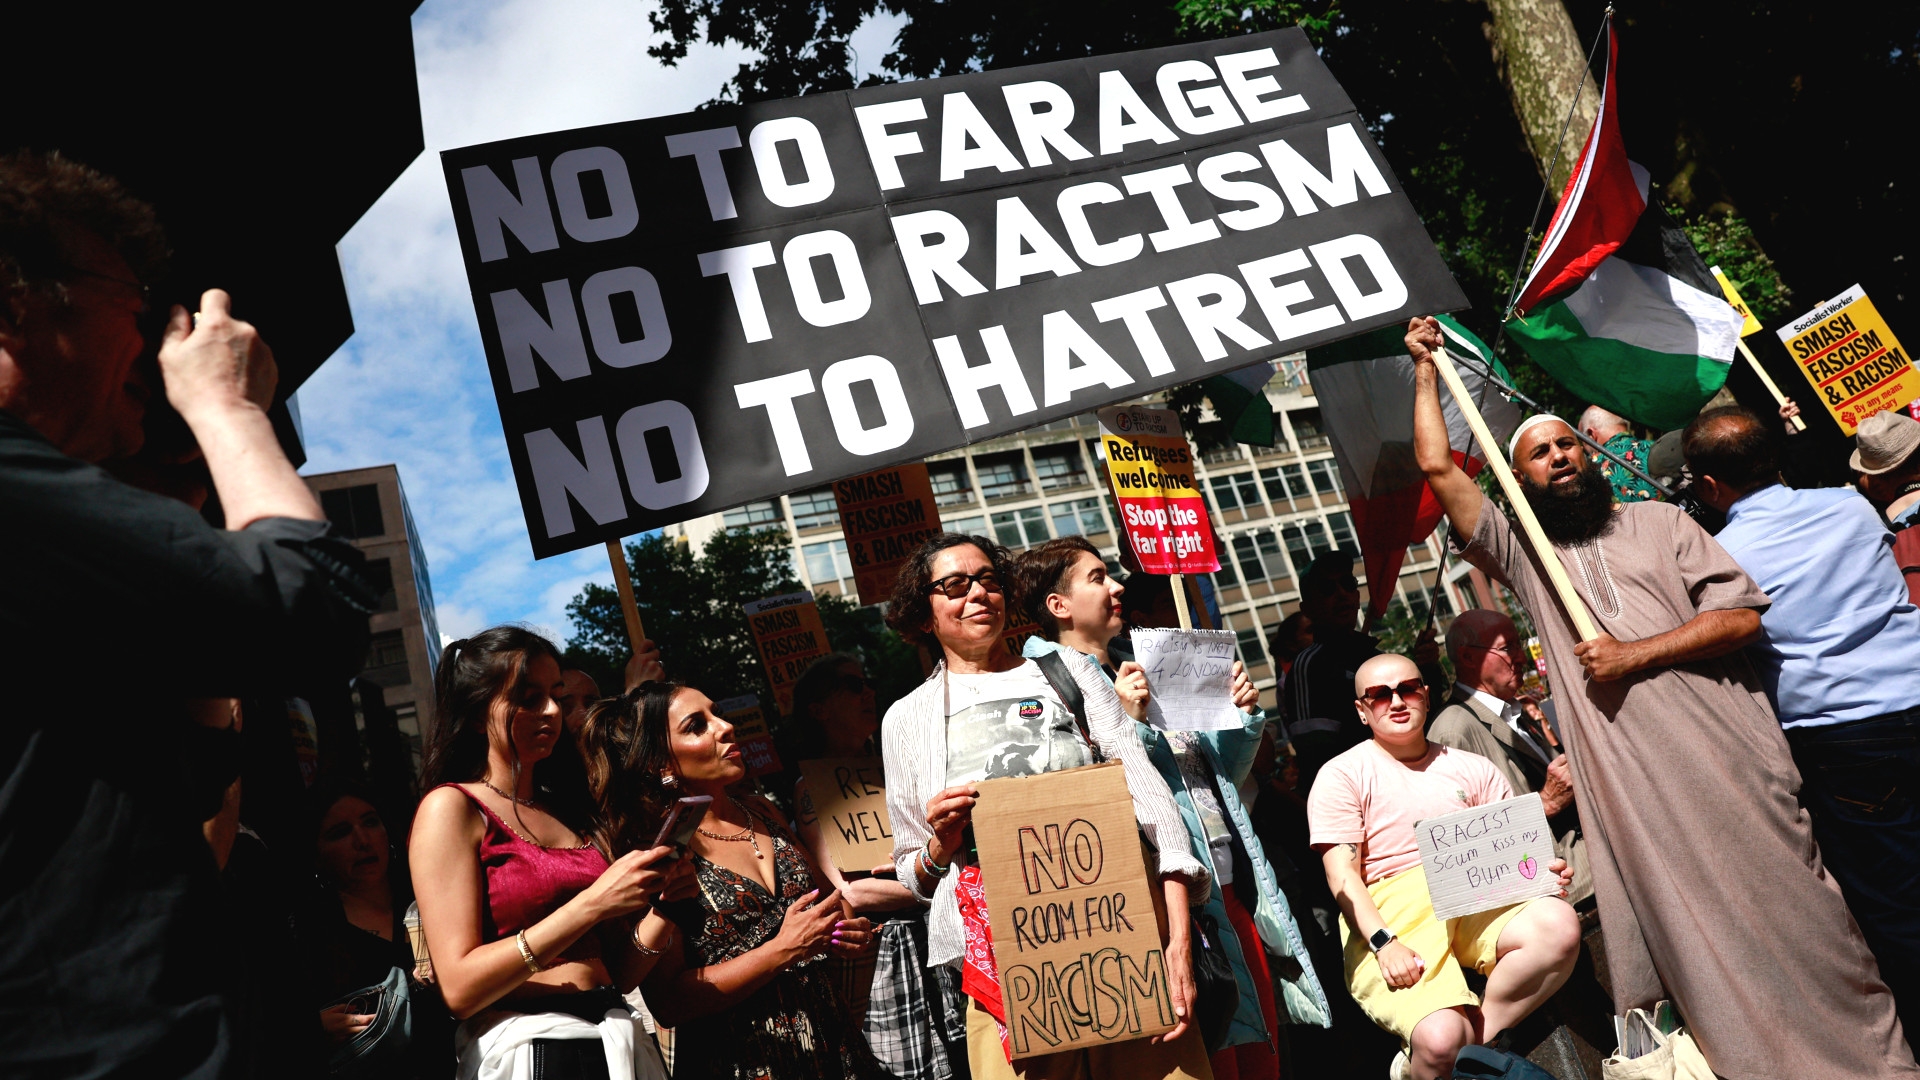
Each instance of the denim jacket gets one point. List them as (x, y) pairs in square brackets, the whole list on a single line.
[(1231, 753)]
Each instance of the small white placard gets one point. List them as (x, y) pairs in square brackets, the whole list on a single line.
[(1487, 857), (1191, 675)]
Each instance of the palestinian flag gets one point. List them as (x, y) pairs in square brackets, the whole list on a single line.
[(1239, 399), (1619, 307), (1365, 387)]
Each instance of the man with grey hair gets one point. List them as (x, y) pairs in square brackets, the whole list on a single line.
[(1704, 865), (1486, 716)]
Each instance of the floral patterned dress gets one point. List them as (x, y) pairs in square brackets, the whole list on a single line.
[(795, 1027)]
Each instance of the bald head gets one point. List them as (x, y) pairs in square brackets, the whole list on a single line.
[(1601, 425), (1487, 653), (1400, 718)]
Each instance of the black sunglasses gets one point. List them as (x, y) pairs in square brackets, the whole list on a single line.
[(960, 586)]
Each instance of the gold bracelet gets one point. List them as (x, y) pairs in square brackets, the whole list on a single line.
[(526, 953)]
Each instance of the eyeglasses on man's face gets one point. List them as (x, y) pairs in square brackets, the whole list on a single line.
[(1513, 650), (1381, 696), (960, 586)]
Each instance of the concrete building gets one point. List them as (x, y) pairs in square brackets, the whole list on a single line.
[(1274, 509), (369, 507)]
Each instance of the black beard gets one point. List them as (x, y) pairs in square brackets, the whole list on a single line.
[(1576, 512)]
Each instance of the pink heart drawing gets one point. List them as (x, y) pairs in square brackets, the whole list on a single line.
[(1528, 867)]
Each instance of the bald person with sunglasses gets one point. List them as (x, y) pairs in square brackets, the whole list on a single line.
[(1403, 965)]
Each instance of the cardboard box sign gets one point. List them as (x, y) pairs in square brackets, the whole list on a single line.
[(850, 802), (1487, 857), (1074, 932)]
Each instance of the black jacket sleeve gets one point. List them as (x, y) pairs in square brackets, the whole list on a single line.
[(138, 589)]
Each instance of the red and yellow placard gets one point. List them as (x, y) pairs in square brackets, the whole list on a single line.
[(885, 516), (1851, 357), (1161, 510), (789, 636)]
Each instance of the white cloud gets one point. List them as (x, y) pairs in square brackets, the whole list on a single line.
[(411, 386)]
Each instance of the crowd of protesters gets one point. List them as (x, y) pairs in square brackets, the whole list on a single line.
[(591, 885)]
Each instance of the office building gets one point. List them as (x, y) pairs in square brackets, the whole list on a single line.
[(1274, 509), (369, 507)]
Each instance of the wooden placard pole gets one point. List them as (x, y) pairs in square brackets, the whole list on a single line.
[(1767, 381), (1496, 458), (629, 607), (1179, 584)]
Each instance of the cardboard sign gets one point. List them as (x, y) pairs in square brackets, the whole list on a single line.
[(789, 636), (850, 802), (1074, 932), (750, 733), (1487, 857), (1752, 325), (1161, 510), (1852, 359), (1191, 675), (687, 313), (885, 515)]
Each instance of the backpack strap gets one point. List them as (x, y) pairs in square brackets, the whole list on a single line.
[(1062, 681)]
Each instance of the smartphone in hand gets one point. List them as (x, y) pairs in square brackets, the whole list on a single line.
[(682, 820)]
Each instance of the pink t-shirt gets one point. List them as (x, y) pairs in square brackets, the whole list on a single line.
[(1368, 797)]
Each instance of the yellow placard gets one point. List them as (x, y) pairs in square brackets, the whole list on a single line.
[(1849, 354), (1752, 325), (790, 637)]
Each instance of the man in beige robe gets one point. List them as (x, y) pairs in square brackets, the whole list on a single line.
[(1704, 864)]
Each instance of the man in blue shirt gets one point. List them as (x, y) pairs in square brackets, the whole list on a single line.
[(1840, 654)]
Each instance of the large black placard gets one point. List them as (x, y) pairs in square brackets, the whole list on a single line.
[(688, 313)]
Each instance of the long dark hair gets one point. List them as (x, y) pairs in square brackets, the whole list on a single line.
[(624, 741), (474, 672)]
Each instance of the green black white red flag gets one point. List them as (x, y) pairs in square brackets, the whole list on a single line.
[(1619, 306), (1365, 387)]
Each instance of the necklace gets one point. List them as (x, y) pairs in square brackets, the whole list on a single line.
[(746, 834), (510, 798)]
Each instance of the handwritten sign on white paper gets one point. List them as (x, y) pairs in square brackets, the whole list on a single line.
[(1487, 857), (1191, 675)]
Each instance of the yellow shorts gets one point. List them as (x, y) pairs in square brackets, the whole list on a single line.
[(1469, 941)]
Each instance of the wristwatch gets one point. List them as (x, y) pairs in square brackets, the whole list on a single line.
[(1381, 938)]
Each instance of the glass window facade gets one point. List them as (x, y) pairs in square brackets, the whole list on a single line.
[(1059, 467), (951, 484), (827, 562), (753, 515), (1020, 528), (1081, 517), (816, 509)]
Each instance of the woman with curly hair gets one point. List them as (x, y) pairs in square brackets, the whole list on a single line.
[(738, 971), (985, 712)]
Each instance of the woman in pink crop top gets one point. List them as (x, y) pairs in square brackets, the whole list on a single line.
[(532, 931)]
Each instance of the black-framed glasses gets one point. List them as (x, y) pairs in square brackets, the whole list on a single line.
[(1377, 696), (960, 586), (1511, 652)]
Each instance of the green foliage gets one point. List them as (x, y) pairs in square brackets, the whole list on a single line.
[(1221, 18), (1726, 240), (691, 605)]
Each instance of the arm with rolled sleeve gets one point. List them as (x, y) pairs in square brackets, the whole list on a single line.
[(1118, 739), (197, 610)]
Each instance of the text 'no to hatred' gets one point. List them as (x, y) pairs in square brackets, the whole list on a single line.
[(684, 314)]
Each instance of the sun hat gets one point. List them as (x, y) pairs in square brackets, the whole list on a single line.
[(1886, 439)]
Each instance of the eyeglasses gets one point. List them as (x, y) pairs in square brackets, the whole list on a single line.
[(960, 586), (1511, 652), (1378, 696)]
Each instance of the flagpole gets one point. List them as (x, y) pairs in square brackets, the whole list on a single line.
[(1767, 381), (1496, 459)]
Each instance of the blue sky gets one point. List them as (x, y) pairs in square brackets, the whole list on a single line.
[(410, 387)]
